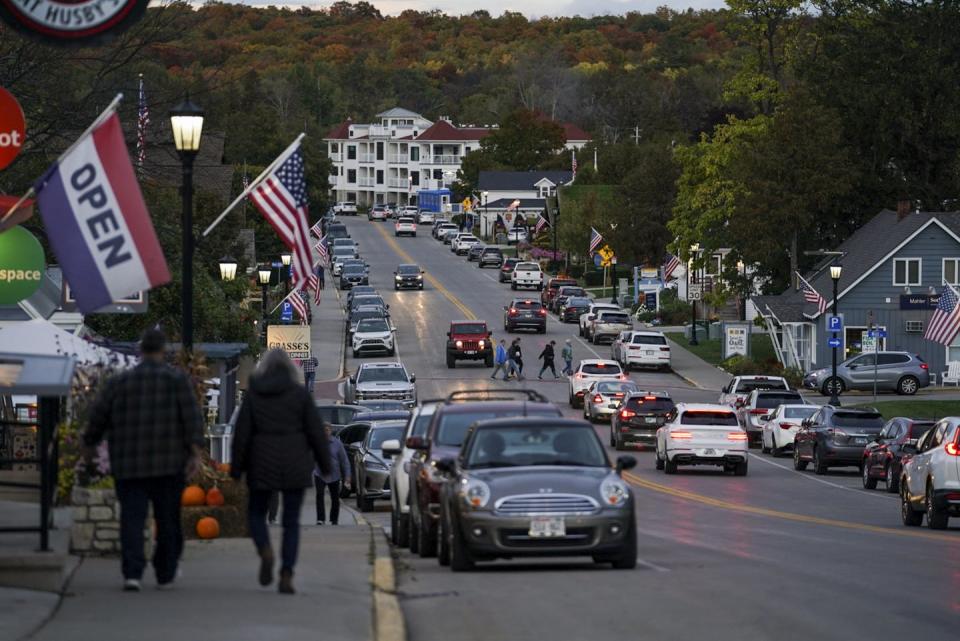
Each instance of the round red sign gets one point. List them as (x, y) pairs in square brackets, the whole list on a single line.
[(70, 20), (13, 128)]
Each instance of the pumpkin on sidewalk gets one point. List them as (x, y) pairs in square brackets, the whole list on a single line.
[(208, 528), (193, 495), (214, 497)]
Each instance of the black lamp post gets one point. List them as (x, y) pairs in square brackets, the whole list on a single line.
[(186, 122), (834, 384), (263, 276), (694, 249), (228, 269), (742, 271)]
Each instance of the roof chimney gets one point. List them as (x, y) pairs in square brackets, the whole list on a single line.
[(903, 208)]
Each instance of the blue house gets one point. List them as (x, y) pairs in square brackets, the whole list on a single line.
[(893, 270)]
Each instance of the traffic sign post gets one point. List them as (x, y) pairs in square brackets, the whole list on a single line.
[(833, 342), (695, 291), (834, 323)]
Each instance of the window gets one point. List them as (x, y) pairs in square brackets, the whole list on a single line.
[(351, 175), (334, 148), (379, 176), (379, 151), (951, 271), (414, 176), (913, 326), (906, 271), (415, 153), (351, 152), (892, 359), (867, 360), (438, 174)]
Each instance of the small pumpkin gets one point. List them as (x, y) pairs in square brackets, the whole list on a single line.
[(214, 497), (193, 495), (208, 528), (223, 467)]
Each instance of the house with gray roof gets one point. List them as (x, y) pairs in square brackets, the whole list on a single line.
[(893, 271)]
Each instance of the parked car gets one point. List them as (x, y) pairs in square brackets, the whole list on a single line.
[(506, 269), (405, 225), (490, 256), (446, 233), (587, 319), (469, 340), (602, 399), (835, 437), (345, 208), (373, 335), (516, 235), (930, 482), (553, 286), (642, 349), (492, 503), (377, 212), (883, 458), (609, 324), (781, 426), (900, 372), (524, 313), (346, 242), (475, 251), (351, 275), (636, 421), (408, 276), (338, 414), (702, 434), (590, 371), (359, 290), (371, 465), (425, 218), (759, 404), (739, 387), (526, 275), (462, 244), (374, 381), (571, 310), (402, 452), (364, 312), (338, 257)]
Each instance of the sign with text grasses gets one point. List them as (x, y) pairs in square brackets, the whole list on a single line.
[(293, 339)]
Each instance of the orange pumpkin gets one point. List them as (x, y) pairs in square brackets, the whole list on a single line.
[(193, 495), (214, 497), (208, 528), (223, 467)]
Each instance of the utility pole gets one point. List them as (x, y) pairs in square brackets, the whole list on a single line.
[(636, 135)]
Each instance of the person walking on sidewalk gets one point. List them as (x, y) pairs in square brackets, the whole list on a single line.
[(154, 431), (340, 472), (309, 366), (279, 438), (567, 355), (320, 275), (547, 356), (500, 360)]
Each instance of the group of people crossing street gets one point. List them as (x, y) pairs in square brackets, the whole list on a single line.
[(509, 360)]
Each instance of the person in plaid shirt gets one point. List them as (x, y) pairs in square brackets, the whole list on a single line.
[(309, 366), (154, 431)]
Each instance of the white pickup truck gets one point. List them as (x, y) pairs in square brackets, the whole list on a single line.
[(526, 275)]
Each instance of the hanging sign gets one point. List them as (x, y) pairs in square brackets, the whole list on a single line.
[(71, 21), (13, 129), (21, 265)]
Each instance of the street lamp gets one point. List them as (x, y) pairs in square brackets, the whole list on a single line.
[(742, 271), (694, 250), (186, 122), (486, 197), (835, 270), (285, 258), (613, 264), (228, 269), (263, 275)]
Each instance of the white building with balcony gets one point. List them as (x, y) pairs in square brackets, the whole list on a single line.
[(402, 154)]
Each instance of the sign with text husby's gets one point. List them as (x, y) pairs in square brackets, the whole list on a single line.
[(13, 129), (71, 21), (21, 265), (293, 339)]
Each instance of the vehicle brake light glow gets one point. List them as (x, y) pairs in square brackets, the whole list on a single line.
[(627, 413), (924, 366), (513, 311), (649, 398), (736, 436), (952, 449), (597, 399), (681, 435), (579, 375), (624, 377), (758, 411), (542, 312), (786, 426)]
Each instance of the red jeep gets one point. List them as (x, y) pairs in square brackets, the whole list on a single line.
[(469, 340)]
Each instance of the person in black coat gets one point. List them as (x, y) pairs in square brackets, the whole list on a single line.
[(279, 438), (547, 356)]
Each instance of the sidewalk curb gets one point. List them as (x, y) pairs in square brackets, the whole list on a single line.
[(343, 343), (388, 621)]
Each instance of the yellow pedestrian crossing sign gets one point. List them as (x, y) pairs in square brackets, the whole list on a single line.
[(467, 204), (607, 256)]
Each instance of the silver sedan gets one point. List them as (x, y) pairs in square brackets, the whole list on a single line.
[(603, 398)]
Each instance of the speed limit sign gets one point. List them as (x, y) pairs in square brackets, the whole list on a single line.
[(695, 292)]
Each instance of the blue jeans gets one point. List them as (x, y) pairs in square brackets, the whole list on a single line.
[(567, 366), (308, 380), (164, 492), (257, 520)]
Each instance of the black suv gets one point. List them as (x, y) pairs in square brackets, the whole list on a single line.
[(525, 313), (408, 276), (835, 437), (443, 439), (636, 421), (352, 275), (506, 269), (490, 256)]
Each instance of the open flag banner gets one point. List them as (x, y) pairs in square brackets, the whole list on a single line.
[(97, 222)]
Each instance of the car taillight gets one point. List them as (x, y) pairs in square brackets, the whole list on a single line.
[(649, 398), (736, 436), (543, 312), (758, 411), (597, 399), (627, 413), (619, 394), (924, 366), (952, 449), (578, 375), (664, 349), (786, 426), (681, 435), (513, 312), (624, 377)]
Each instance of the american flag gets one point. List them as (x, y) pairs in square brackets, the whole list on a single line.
[(573, 164), (945, 322), (595, 239), (811, 295), (542, 223), (282, 199), (670, 266), (315, 286), (321, 248), (299, 302), (317, 229), (143, 119)]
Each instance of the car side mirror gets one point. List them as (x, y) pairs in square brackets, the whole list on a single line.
[(448, 334), (909, 448), (413, 378), (416, 443), (446, 465), (391, 447), (625, 463)]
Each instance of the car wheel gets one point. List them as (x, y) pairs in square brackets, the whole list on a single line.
[(659, 464), (580, 329), (908, 386), (626, 559), (868, 482), (451, 361), (763, 446), (443, 544), (908, 515), (937, 517), (391, 352), (819, 465), (740, 469), (513, 286), (403, 530), (669, 466), (893, 485), (356, 353), (460, 558), (426, 541), (829, 384), (798, 464)]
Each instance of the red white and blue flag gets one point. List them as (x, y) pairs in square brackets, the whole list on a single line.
[(670, 266), (945, 322), (542, 223), (317, 229), (811, 295), (595, 240), (282, 199), (321, 248), (96, 220)]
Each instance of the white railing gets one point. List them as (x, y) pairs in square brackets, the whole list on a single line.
[(397, 160), (367, 157), (402, 183), (446, 160), (365, 182), (380, 131), (335, 157)]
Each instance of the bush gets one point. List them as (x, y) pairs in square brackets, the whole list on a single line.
[(743, 366), (673, 311)]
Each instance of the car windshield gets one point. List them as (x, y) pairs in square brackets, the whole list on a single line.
[(769, 401), (603, 369), (373, 313), (534, 445), (531, 267), (353, 269), (708, 417), (337, 232), (799, 412), (616, 388), (343, 252), (527, 304), (492, 250), (408, 269), (650, 403), (367, 300), (379, 435), (510, 262), (578, 302), (405, 221), (919, 428), (421, 424), (382, 375), (750, 384), (869, 420), (382, 405), (453, 425), (614, 317), (572, 291), (557, 284), (372, 325), (641, 339), (468, 328)]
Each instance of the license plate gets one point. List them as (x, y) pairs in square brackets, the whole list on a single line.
[(650, 419), (859, 441), (470, 351), (709, 452), (546, 527), (648, 353)]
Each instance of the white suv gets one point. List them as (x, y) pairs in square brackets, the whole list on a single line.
[(405, 225), (587, 319), (373, 335), (399, 478), (702, 434), (930, 481), (462, 243), (591, 371), (641, 348)]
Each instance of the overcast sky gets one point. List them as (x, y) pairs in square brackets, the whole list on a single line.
[(528, 7)]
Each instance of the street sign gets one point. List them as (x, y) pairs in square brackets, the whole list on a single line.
[(695, 291), (597, 260), (877, 333), (835, 323), (834, 342), (13, 128), (286, 311)]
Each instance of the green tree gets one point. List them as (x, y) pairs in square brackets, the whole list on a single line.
[(523, 140)]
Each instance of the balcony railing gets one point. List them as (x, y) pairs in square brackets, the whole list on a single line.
[(397, 160), (379, 131), (336, 157), (365, 182), (401, 183), (367, 157), (445, 160)]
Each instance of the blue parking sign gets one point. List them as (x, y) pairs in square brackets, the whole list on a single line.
[(286, 311), (835, 323), (834, 342)]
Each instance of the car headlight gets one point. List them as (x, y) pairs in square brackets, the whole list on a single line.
[(419, 276), (397, 277), (459, 344), (475, 493), (614, 492), (482, 344)]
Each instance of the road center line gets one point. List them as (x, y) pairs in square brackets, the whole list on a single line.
[(808, 477)]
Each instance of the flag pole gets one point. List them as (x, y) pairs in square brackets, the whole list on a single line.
[(292, 292), (246, 192), (103, 116)]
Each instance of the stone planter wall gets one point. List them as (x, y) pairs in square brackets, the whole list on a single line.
[(96, 522)]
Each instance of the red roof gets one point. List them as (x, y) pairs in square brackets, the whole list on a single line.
[(573, 132), (341, 131), (443, 130)]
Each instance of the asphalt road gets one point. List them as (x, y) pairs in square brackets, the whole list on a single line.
[(778, 554)]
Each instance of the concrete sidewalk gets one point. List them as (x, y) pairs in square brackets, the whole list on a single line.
[(326, 336), (218, 597), (695, 370)]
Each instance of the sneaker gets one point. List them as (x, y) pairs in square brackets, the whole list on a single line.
[(319, 522), (132, 585), (334, 523)]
